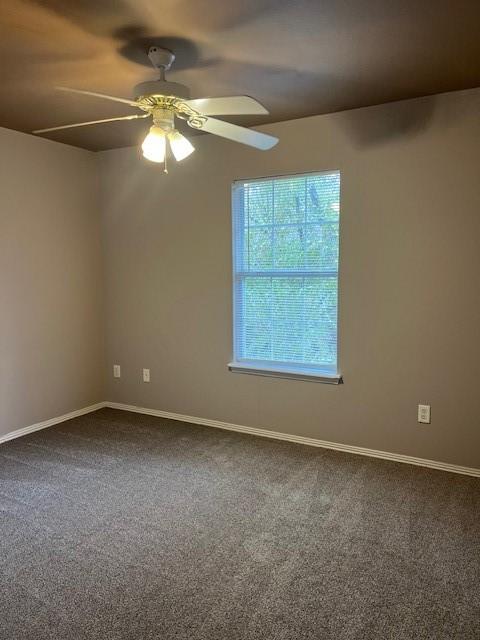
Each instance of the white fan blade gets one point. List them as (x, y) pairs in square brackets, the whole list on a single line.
[(86, 124), (132, 103), (239, 134), (229, 106)]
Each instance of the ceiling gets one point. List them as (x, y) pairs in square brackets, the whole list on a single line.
[(299, 58)]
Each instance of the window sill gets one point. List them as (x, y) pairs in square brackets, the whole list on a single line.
[(291, 374)]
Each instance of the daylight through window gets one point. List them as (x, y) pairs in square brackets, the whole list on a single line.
[(286, 232)]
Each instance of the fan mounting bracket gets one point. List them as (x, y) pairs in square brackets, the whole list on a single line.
[(161, 59)]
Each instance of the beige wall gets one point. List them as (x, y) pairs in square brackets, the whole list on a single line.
[(51, 326), (409, 279)]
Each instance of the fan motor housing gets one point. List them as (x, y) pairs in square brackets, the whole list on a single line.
[(161, 88)]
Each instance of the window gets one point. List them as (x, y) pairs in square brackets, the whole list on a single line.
[(285, 263)]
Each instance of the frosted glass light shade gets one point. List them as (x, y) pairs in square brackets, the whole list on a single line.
[(181, 147), (154, 145)]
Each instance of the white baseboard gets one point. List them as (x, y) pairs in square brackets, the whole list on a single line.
[(313, 442), (264, 433), (49, 423)]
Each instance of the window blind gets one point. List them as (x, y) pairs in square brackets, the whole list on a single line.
[(285, 263)]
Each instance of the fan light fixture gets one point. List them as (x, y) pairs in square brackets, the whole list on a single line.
[(180, 145), (155, 146), (164, 101)]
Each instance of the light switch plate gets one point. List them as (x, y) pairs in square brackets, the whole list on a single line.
[(116, 371), (146, 375)]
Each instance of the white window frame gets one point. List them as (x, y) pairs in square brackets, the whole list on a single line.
[(325, 373)]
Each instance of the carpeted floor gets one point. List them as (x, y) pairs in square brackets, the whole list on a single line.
[(118, 526)]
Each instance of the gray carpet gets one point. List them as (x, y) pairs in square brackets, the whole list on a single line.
[(117, 526)]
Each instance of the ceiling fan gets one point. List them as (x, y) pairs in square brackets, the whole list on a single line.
[(164, 101)]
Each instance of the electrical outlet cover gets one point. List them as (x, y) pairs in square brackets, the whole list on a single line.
[(424, 413)]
